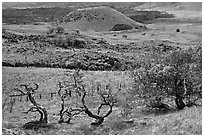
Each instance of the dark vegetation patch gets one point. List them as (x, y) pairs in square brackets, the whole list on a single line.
[(14, 38), (143, 16), (94, 61), (41, 51), (84, 61), (148, 16), (119, 27), (24, 16), (58, 51)]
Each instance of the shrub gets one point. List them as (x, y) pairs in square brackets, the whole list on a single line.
[(145, 16), (56, 30), (29, 92), (177, 30), (176, 75), (105, 99), (119, 27)]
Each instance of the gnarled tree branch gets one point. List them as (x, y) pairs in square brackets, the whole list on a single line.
[(36, 107), (62, 97)]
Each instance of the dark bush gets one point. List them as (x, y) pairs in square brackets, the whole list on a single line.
[(78, 43), (24, 16), (177, 30), (119, 27), (145, 16), (7, 64)]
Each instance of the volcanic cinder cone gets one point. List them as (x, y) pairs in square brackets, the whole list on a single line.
[(98, 19)]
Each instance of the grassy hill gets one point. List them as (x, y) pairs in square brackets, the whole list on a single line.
[(29, 12), (98, 19)]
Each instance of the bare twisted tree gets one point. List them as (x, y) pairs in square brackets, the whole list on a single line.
[(29, 92), (70, 113), (107, 99)]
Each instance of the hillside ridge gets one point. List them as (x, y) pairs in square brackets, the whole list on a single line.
[(98, 19)]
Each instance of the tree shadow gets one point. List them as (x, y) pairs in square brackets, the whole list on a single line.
[(157, 112)]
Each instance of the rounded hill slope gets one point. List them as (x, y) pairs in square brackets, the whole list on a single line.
[(98, 19)]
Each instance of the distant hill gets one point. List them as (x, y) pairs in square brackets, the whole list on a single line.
[(180, 10), (66, 4), (188, 6), (172, 6), (98, 19), (33, 4), (143, 12)]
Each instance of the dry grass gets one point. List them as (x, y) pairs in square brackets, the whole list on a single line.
[(187, 121), (28, 29)]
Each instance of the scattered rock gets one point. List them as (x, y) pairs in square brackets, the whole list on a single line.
[(177, 30), (124, 36), (129, 121)]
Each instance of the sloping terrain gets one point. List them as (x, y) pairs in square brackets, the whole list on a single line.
[(176, 6), (179, 9), (97, 18), (57, 52), (185, 122)]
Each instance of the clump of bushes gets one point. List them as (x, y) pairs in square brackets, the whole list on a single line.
[(68, 42), (24, 16), (175, 76), (84, 61), (56, 30), (94, 62), (119, 27), (146, 16)]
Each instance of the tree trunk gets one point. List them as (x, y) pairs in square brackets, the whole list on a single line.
[(41, 109), (178, 89), (98, 122), (179, 103), (61, 112), (45, 116)]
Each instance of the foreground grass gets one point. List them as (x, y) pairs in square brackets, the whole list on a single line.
[(187, 121)]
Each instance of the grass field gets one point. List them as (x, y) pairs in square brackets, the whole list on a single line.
[(187, 121)]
